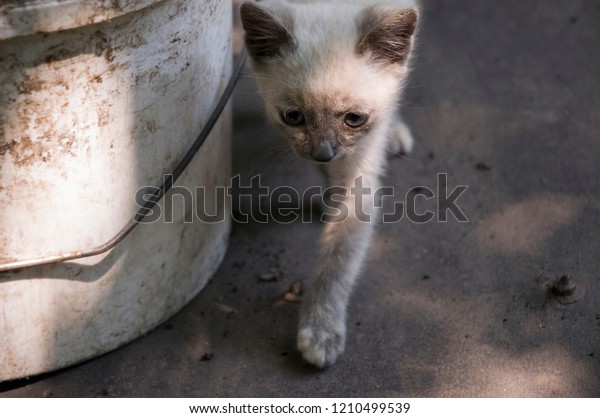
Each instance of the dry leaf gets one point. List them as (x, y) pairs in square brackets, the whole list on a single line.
[(293, 295), (296, 288), (224, 308)]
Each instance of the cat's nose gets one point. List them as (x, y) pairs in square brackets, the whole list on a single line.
[(323, 152)]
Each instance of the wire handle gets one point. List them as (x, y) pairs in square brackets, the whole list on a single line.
[(154, 198)]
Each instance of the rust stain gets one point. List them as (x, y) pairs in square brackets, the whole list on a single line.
[(63, 84), (151, 126), (100, 43), (25, 151), (103, 117), (29, 84), (4, 148), (57, 54), (180, 9), (173, 56), (153, 74), (109, 54)]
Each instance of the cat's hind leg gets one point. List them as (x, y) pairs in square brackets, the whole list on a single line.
[(400, 139)]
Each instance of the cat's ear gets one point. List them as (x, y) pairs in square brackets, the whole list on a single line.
[(268, 31), (386, 33)]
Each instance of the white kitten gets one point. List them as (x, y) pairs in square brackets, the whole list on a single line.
[(331, 73)]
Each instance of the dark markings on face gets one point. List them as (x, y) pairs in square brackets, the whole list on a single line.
[(325, 119)]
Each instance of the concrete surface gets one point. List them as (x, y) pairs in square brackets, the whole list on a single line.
[(505, 98)]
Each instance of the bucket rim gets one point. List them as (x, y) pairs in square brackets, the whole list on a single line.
[(29, 17)]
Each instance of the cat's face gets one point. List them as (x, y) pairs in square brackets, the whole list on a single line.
[(328, 78)]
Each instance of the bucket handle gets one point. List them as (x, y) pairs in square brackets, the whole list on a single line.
[(154, 197)]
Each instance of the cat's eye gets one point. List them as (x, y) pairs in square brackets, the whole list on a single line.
[(355, 120), (292, 117)]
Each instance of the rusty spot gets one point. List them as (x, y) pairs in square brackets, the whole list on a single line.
[(24, 151), (57, 55), (103, 118), (4, 148), (100, 43), (97, 79), (153, 74), (173, 56), (180, 10), (63, 84), (109, 54), (29, 84), (152, 126)]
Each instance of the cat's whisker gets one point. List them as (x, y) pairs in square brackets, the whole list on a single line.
[(404, 157), (267, 161), (402, 106), (415, 86), (277, 150)]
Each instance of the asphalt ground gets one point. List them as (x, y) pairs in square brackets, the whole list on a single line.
[(505, 99)]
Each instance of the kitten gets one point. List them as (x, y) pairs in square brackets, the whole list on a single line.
[(330, 73)]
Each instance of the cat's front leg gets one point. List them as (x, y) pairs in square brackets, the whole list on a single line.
[(344, 243)]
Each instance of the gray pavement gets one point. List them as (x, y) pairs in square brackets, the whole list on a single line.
[(504, 98)]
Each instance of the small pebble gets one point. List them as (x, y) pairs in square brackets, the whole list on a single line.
[(207, 357), (271, 276), (483, 166)]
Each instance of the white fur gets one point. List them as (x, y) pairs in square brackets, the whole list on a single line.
[(325, 65)]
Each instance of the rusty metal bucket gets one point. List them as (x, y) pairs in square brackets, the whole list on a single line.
[(97, 100)]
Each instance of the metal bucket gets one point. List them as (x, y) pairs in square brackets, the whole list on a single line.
[(97, 100)]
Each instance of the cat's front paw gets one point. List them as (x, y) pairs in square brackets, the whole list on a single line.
[(321, 344)]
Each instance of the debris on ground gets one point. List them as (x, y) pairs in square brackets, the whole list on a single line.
[(207, 357), (239, 264), (226, 309), (272, 276), (483, 166), (566, 290), (293, 295)]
